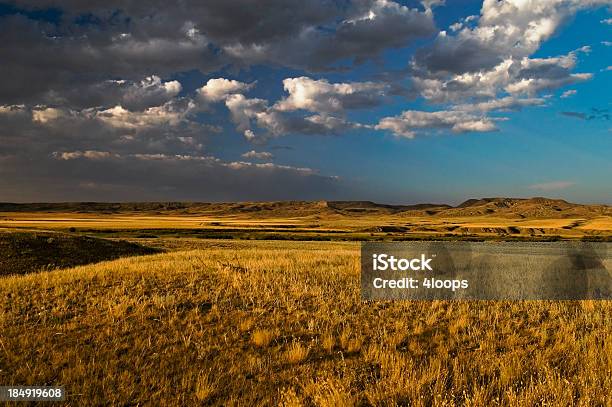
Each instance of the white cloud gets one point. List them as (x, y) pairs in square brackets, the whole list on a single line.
[(171, 114), (243, 110), (249, 135), (492, 58), (531, 86), (88, 154), (261, 155), (249, 112), (607, 21), (219, 89), (11, 109), (519, 27), (240, 165), (150, 91), (405, 124), (568, 93), (172, 157), (324, 97), (46, 115), (162, 157), (481, 84)]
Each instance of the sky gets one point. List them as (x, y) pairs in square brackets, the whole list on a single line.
[(388, 101)]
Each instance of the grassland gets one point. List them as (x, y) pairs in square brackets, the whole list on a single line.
[(282, 323), (259, 304), (494, 218)]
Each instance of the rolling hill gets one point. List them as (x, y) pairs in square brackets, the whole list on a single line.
[(514, 208)]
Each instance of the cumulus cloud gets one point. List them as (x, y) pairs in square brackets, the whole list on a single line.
[(485, 63), (150, 91), (350, 31), (248, 113), (40, 130), (534, 75), (63, 57), (330, 102), (137, 94), (321, 96), (47, 114), (505, 29), (243, 110), (406, 124), (511, 76), (11, 109), (108, 96), (170, 113), (219, 89), (259, 155), (88, 154), (128, 40), (249, 135), (494, 56)]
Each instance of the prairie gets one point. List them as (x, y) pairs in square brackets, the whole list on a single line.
[(259, 304), (282, 323), (492, 218)]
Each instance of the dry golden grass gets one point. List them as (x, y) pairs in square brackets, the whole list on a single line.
[(364, 226), (296, 353), (283, 324), (262, 337)]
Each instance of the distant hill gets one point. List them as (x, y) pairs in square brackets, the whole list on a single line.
[(527, 208), (513, 208)]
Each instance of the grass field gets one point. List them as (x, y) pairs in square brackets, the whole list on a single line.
[(379, 227), (271, 322)]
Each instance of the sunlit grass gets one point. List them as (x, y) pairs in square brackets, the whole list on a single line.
[(264, 323)]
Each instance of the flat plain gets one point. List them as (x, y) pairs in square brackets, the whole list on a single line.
[(260, 315), (502, 218)]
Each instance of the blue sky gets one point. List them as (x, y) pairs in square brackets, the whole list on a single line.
[(397, 102)]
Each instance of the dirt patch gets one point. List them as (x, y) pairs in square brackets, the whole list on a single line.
[(27, 252)]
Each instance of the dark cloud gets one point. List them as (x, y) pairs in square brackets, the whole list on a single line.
[(458, 55), (117, 179), (97, 41), (594, 114), (366, 31), (577, 115), (39, 131), (41, 61)]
